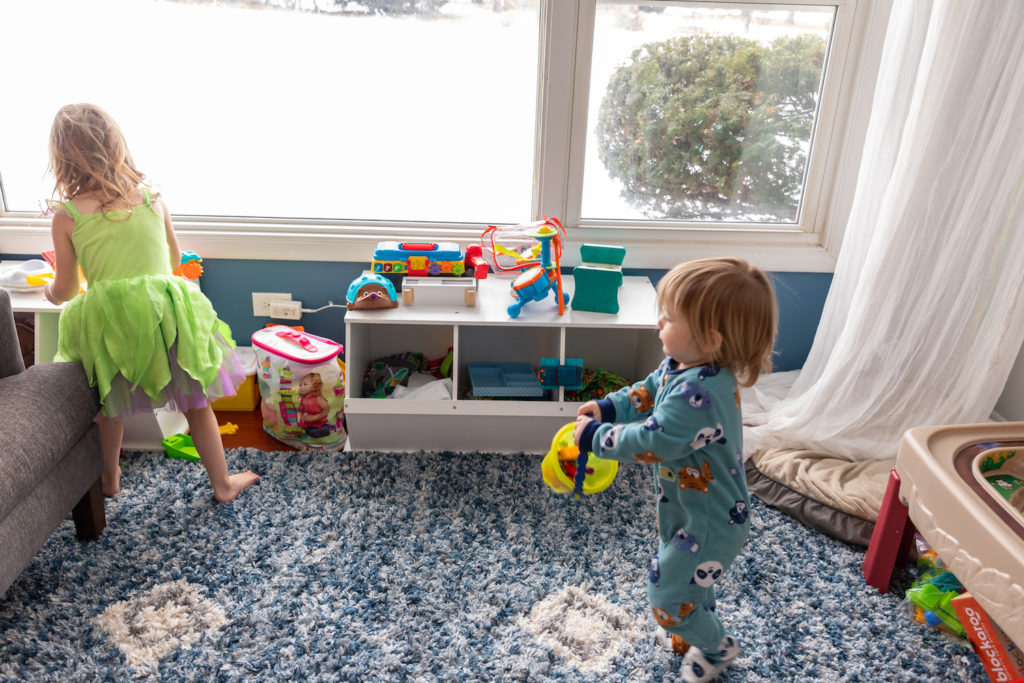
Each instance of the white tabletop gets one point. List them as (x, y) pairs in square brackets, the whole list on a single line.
[(23, 301), (31, 302), (637, 308)]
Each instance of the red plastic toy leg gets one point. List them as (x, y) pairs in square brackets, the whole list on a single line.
[(891, 539)]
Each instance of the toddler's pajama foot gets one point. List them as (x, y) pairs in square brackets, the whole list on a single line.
[(671, 641), (696, 667)]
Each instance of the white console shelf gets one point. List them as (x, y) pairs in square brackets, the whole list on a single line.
[(625, 343)]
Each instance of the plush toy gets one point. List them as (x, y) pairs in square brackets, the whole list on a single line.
[(371, 291)]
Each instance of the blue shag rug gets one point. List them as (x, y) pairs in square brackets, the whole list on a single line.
[(428, 567)]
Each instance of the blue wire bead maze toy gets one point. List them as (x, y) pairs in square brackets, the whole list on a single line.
[(539, 280), (566, 469), (540, 276), (371, 291)]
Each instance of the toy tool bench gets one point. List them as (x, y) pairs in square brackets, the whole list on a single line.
[(487, 344)]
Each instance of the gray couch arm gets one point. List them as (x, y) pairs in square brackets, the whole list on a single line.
[(48, 408), (11, 362)]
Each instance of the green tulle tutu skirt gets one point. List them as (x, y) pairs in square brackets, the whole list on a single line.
[(148, 342)]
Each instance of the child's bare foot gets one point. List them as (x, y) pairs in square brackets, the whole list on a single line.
[(111, 483), (236, 484)]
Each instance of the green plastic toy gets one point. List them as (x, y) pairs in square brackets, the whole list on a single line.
[(180, 446), (933, 592), (598, 278)]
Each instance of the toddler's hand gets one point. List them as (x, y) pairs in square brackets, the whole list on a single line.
[(590, 408), (581, 422)]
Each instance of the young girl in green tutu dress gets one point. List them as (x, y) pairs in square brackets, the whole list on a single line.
[(145, 337)]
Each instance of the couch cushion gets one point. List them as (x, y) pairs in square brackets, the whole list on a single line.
[(46, 410)]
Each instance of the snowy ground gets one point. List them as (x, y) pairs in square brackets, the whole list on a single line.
[(267, 112)]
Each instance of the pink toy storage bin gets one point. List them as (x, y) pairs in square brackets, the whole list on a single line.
[(302, 384)]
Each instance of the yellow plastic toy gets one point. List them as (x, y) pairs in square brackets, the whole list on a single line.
[(559, 467)]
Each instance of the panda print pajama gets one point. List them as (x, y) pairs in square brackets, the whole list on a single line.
[(686, 423)]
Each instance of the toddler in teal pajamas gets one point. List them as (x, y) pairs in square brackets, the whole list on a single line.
[(717, 327)]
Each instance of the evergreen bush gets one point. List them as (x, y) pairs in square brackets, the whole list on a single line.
[(712, 127)]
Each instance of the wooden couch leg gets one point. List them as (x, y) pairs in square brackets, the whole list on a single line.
[(90, 518)]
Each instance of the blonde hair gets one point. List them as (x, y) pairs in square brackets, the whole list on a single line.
[(88, 154), (733, 298)]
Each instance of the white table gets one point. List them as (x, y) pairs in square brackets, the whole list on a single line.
[(46, 316)]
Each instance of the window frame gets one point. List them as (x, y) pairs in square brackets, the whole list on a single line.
[(565, 43)]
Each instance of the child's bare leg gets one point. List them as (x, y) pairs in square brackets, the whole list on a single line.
[(202, 424), (111, 433)]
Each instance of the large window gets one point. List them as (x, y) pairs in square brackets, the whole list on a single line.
[(313, 128)]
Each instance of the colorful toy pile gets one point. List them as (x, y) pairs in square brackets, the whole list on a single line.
[(939, 600)]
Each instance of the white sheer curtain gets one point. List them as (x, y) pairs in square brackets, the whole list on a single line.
[(925, 315)]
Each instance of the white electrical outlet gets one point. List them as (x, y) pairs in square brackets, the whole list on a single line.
[(286, 310), (261, 302)]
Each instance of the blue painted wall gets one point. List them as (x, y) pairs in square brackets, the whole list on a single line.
[(229, 283)]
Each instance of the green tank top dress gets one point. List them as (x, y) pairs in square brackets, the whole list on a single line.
[(145, 337)]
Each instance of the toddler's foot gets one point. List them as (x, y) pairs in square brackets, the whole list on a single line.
[(111, 483), (236, 484), (696, 667), (670, 641)]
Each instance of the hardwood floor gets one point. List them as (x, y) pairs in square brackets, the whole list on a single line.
[(250, 432)]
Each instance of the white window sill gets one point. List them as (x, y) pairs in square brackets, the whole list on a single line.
[(770, 249)]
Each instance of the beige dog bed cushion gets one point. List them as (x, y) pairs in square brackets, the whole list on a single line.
[(828, 493)]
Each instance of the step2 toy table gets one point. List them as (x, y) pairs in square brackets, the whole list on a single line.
[(951, 481)]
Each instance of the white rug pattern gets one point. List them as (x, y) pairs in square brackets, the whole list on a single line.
[(584, 628), (157, 622)]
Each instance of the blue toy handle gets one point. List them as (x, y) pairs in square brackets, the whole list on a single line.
[(581, 473)]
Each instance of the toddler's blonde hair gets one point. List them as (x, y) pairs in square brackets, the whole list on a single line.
[(88, 154), (732, 297)]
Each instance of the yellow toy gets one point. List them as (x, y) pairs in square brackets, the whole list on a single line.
[(228, 428), (565, 469)]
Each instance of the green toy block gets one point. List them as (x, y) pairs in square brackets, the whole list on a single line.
[(598, 278)]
